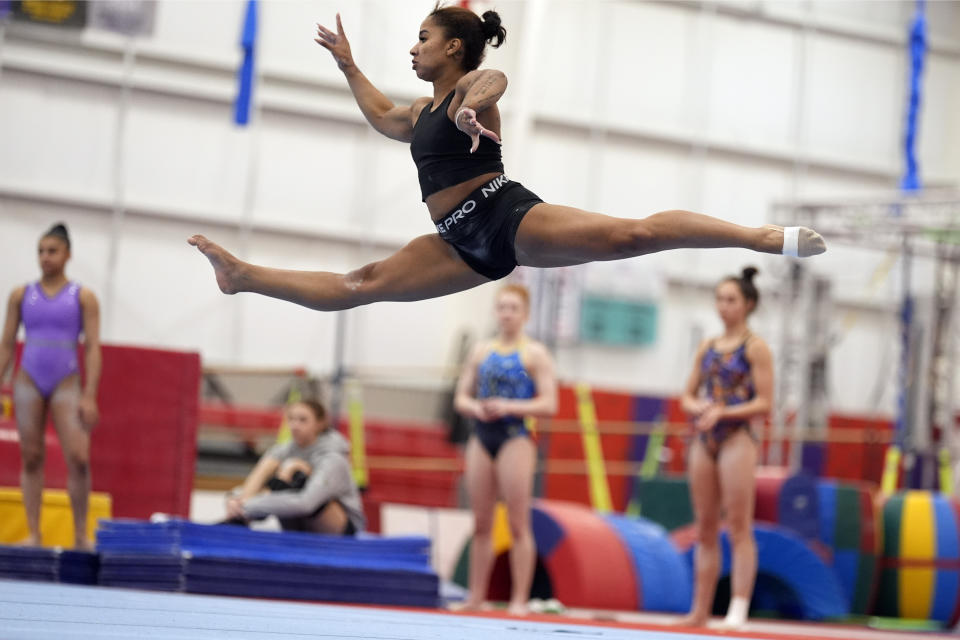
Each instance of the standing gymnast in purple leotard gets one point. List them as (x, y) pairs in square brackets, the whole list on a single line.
[(54, 312)]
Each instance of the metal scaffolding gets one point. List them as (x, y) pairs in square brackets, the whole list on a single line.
[(924, 224)]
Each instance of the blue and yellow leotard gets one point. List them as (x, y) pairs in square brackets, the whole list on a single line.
[(502, 374)]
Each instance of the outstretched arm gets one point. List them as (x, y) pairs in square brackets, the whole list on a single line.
[(477, 92), (393, 121)]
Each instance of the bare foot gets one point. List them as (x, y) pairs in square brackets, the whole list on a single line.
[(30, 541), (225, 266), (691, 620), (518, 609), (83, 545), (800, 241), (467, 606)]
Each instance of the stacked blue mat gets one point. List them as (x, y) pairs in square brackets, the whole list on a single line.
[(229, 560), (48, 565)]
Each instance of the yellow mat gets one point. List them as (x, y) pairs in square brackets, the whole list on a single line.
[(56, 517)]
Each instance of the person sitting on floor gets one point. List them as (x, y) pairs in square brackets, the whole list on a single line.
[(310, 476)]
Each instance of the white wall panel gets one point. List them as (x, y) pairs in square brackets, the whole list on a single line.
[(646, 54), (307, 172), (752, 82), (560, 167), (938, 145), (854, 100), (568, 58), (201, 27), (633, 181), (279, 333), (56, 134), (166, 295), (185, 154)]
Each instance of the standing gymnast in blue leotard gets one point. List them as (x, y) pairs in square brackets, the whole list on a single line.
[(504, 382), (54, 312)]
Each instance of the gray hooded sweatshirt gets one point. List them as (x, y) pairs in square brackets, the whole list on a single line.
[(331, 478)]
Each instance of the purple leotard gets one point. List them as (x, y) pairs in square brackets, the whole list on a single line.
[(53, 327)]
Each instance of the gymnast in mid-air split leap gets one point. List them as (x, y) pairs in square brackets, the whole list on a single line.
[(487, 224)]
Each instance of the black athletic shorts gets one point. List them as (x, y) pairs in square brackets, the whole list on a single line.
[(483, 227)]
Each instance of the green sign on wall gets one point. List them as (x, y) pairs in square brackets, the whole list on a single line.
[(615, 321)]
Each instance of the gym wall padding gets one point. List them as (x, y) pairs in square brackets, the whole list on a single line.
[(848, 530), (787, 499), (785, 556), (920, 563), (565, 446), (675, 443), (616, 407), (411, 485), (858, 460), (664, 582), (143, 451), (648, 410)]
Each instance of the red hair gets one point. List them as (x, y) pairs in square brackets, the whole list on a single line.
[(517, 289)]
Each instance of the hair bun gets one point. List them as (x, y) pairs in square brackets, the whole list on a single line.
[(749, 273), (59, 230), (492, 29)]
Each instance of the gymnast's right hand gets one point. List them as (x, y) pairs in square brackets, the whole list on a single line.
[(336, 44), (697, 407)]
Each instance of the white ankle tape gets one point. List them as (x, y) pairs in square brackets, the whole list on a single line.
[(791, 241), (739, 608)]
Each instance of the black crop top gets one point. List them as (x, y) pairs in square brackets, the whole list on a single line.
[(442, 152)]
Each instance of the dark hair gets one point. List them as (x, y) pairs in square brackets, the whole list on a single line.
[(745, 282), (316, 408), (475, 32), (58, 230)]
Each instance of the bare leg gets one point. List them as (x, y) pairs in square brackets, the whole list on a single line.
[(515, 464), (75, 442), (736, 466), (705, 494), (482, 491), (332, 520), (427, 267), (556, 236), (31, 413)]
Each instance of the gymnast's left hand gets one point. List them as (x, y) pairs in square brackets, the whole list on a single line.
[(709, 418), (466, 121), (89, 413)]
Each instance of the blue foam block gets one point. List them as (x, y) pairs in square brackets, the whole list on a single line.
[(784, 555), (178, 555), (663, 577), (48, 564)]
